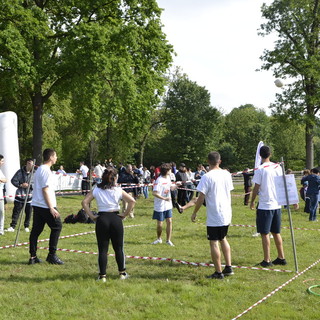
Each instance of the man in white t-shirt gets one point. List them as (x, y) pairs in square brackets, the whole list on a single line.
[(268, 211), (215, 187), (162, 202), (98, 172), (84, 183), (45, 211)]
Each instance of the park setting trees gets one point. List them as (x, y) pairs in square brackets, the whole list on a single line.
[(296, 57)]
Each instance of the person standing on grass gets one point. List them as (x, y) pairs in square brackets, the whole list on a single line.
[(3, 180), (312, 193), (162, 203), (21, 180), (109, 224), (268, 211), (45, 211), (214, 187)]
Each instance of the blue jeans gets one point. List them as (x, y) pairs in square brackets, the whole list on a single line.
[(145, 192), (313, 206)]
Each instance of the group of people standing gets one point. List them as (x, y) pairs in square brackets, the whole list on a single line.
[(213, 187)]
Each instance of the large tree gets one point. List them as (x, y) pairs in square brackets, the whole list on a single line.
[(244, 128), (192, 125), (296, 55), (107, 56)]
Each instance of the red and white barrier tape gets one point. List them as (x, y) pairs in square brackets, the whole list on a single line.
[(253, 226), (276, 290), (197, 264), (63, 237)]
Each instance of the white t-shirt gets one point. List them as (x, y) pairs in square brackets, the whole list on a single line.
[(162, 187), (84, 170), (107, 199), (264, 176), (43, 177), (216, 186), (98, 171)]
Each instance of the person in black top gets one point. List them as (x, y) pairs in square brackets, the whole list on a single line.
[(247, 185)]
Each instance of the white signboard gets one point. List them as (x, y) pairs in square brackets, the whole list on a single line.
[(291, 187)]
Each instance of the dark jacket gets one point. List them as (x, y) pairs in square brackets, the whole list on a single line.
[(127, 178), (22, 176)]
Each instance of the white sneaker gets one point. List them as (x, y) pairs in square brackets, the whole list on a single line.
[(257, 234), (168, 242), (26, 229), (157, 241), (10, 229), (102, 279), (124, 276)]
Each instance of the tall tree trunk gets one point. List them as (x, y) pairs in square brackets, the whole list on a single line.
[(37, 139), (309, 145)]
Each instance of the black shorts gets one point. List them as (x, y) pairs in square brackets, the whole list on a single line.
[(217, 233)]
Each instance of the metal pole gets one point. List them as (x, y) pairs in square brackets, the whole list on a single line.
[(25, 203), (290, 218)]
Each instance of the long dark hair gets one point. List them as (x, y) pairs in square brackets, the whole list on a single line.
[(109, 178)]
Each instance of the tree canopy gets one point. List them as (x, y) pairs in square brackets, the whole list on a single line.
[(296, 56)]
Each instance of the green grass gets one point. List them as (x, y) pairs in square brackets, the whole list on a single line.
[(159, 289)]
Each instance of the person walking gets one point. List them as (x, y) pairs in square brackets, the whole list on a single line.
[(45, 210), (109, 224)]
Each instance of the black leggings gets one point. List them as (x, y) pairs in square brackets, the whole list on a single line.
[(109, 226)]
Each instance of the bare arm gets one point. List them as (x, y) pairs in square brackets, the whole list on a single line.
[(197, 206), (254, 195), (157, 195), (47, 199)]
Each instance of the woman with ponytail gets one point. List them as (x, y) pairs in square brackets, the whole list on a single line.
[(109, 222)]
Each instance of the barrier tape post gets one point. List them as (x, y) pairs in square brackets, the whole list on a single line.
[(22, 212), (290, 218)]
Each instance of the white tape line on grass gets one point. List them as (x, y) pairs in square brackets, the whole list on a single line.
[(276, 290), (63, 237), (197, 264)]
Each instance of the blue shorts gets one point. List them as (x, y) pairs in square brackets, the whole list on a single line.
[(160, 216), (268, 221)]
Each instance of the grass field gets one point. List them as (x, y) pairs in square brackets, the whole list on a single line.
[(160, 289)]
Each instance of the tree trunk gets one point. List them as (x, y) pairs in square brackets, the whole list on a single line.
[(309, 145), (37, 139)]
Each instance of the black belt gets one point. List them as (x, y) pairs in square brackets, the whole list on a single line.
[(107, 212)]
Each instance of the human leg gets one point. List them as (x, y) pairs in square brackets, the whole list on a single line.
[(266, 247), (225, 247), (313, 206), (103, 237), (56, 226), (28, 211), (169, 228), (116, 235), (159, 229), (1, 216), (37, 228), (17, 206), (278, 242), (215, 255)]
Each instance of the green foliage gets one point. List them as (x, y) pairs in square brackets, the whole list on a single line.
[(192, 124), (244, 128), (296, 56)]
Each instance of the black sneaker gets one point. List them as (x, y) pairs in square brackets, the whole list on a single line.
[(179, 208), (216, 275), (265, 264), (34, 260), (227, 271), (53, 259), (279, 261)]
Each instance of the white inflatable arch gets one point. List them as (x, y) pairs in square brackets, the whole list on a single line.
[(9, 148)]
